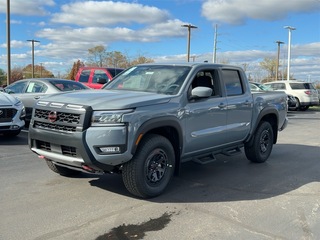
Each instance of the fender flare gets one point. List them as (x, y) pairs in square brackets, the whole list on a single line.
[(166, 121), (266, 111)]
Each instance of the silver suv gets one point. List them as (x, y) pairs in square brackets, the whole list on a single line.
[(12, 113), (305, 93)]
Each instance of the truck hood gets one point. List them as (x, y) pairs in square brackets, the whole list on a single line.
[(109, 99)]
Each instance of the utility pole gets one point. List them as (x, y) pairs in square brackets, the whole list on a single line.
[(189, 26), (278, 56), (215, 44), (33, 41), (289, 50), (8, 44)]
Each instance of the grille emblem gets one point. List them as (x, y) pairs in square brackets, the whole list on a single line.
[(1, 112), (52, 116)]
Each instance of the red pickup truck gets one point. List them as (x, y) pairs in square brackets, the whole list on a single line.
[(95, 77)]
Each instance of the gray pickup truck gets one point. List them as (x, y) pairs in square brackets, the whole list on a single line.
[(153, 117)]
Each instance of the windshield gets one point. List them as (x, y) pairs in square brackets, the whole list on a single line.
[(265, 87), (161, 79)]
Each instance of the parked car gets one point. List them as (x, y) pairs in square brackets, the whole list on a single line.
[(291, 100), (254, 86), (31, 90), (305, 93), (12, 113), (96, 77)]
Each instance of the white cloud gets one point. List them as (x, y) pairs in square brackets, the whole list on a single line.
[(104, 13), (27, 8), (15, 44), (238, 11)]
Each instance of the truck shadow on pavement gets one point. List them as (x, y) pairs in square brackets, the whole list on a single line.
[(20, 139), (290, 167)]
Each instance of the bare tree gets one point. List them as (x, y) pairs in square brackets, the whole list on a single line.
[(141, 59), (116, 59), (75, 69), (269, 64), (97, 55)]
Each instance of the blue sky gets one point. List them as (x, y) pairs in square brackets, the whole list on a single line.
[(247, 32)]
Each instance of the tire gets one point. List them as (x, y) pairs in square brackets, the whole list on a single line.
[(297, 104), (303, 108), (12, 133), (261, 147), (67, 172), (150, 170)]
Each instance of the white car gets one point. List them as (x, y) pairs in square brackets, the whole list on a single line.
[(12, 113), (305, 93)]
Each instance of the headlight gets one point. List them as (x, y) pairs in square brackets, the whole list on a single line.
[(100, 118)]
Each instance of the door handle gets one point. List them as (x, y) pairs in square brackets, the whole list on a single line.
[(36, 97), (222, 105)]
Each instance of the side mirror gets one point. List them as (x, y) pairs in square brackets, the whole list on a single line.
[(101, 80), (201, 92)]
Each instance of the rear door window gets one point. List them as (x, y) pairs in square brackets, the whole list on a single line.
[(84, 76), (232, 82), (115, 71), (98, 74)]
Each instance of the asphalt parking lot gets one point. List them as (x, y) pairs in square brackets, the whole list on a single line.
[(230, 198)]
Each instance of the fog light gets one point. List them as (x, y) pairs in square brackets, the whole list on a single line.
[(110, 149)]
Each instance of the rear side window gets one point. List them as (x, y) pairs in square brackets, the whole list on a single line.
[(84, 76), (99, 74), (115, 71), (36, 87), (232, 81), (301, 86), (279, 86)]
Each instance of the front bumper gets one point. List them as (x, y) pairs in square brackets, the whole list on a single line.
[(82, 149), (285, 124)]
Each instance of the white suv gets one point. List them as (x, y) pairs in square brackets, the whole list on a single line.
[(304, 92)]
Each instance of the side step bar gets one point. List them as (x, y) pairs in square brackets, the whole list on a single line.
[(209, 158)]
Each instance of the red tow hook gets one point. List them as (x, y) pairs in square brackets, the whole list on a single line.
[(87, 168)]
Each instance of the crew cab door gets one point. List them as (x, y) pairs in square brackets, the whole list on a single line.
[(240, 104), (206, 117)]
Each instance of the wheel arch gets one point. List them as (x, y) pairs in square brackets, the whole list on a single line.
[(269, 115), (168, 127)]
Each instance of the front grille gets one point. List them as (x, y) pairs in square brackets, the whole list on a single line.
[(43, 145), (62, 117), (50, 147), (56, 127), (59, 120), (6, 114), (70, 151)]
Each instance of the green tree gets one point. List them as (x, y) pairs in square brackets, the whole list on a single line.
[(97, 55)]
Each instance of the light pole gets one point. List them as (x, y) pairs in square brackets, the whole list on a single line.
[(189, 26), (289, 50), (8, 44), (33, 41), (277, 67)]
